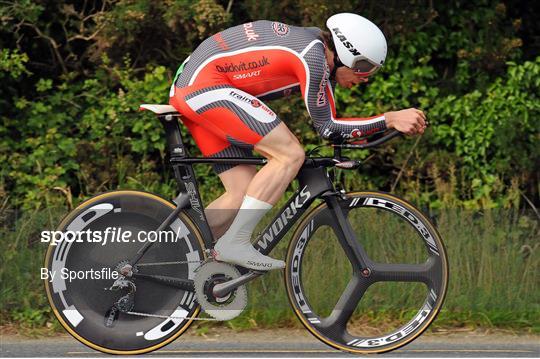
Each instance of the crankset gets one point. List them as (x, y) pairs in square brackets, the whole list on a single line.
[(213, 284), (220, 308), (223, 307)]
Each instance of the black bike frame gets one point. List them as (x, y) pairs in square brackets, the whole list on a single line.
[(314, 182), (312, 177)]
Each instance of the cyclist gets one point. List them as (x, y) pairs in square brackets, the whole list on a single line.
[(220, 90)]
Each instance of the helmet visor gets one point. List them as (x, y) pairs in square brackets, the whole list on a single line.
[(364, 67)]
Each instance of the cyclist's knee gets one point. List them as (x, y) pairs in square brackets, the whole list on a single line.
[(290, 160), (296, 157)]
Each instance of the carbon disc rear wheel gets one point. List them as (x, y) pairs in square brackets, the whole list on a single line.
[(89, 310), (375, 309)]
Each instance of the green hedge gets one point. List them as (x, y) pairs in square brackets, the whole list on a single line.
[(88, 136), (70, 125)]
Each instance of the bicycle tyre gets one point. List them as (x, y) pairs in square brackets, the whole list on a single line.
[(135, 335), (340, 338)]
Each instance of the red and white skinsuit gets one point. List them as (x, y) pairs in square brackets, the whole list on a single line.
[(223, 84)]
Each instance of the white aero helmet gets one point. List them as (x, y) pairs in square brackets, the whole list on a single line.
[(359, 43)]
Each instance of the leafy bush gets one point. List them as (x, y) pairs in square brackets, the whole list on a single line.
[(490, 131)]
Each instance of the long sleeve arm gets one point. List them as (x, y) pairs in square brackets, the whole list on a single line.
[(319, 98)]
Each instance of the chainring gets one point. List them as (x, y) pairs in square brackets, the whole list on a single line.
[(206, 277)]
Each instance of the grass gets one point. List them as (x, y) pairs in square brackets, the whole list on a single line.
[(22, 295), (494, 281)]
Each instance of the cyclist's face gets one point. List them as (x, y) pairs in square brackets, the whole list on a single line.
[(347, 77)]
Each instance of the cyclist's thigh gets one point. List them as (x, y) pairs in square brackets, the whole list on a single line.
[(232, 114), (281, 142), (213, 145), (234, 152)]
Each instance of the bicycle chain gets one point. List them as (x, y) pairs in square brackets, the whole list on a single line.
[(167, 263), (140, 314), (171, 317), (209, 252)]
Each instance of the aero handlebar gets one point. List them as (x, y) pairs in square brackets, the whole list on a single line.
[(370, 144)]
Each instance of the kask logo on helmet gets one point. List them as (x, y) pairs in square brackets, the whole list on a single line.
[(345, 42)]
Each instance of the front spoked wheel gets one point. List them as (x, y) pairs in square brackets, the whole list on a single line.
[(374, 309)]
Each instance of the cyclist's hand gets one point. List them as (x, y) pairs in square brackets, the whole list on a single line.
[(410, 121)]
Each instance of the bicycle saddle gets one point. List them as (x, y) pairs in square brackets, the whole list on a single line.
[(158, 109)]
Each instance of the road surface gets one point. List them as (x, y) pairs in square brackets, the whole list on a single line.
[(286, 342)]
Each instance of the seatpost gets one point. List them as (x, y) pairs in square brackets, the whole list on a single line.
[(189, 198), (177, 150), (172, 134)]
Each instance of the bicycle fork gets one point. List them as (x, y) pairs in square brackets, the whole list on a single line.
[(347, 238)]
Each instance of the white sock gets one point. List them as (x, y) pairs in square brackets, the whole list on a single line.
[(251, 212), (235, 245)]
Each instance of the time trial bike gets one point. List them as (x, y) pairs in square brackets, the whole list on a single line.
[(355, 258)]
